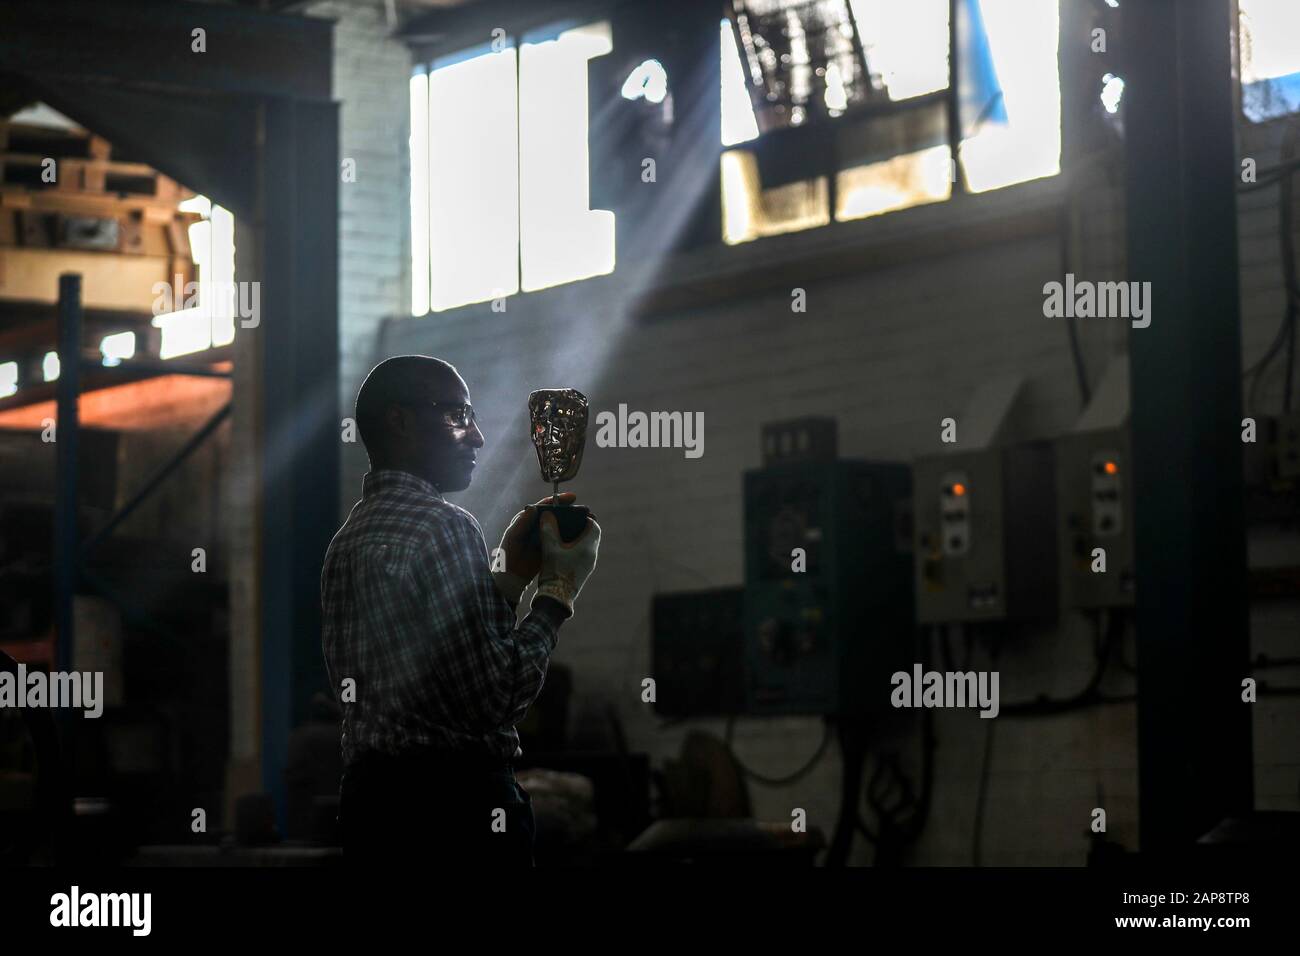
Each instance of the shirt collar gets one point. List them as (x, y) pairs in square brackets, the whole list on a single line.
[(387, 480)]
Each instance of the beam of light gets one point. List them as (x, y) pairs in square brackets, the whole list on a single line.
[(473, 180), (8, 378), (536, 359), (419, 145), (561, 239), (50, 367), (118, 346)]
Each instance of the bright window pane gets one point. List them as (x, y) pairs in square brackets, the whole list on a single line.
[(1270, 58), (905, 44), (209, 321), (738, 122), (908, 180), (419, 194), (473, 181), (1025, 142), (751, 212), (561, 238), (8, 379)]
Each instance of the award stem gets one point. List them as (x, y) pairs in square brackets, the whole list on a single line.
[(555, 496)]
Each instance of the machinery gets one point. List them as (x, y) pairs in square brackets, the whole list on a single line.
[(985, 534), (1094, 487), (828, 600)]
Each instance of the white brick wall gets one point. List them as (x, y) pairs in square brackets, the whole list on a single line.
[(889, 353), (371, 77)]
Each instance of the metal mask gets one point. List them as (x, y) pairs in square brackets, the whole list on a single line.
[(559, 417)]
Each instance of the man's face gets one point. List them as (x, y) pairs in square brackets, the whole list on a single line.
[(440, 441)]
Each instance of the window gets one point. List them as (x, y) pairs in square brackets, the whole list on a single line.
[(193, 326), (874, 75), (1270, 58), (832, 110), (499, 196)]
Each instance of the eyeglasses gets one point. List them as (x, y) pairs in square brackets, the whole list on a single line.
[(456, 414)]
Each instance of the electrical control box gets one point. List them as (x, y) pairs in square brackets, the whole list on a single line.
[(985, 534), (828, 590), (1094, 489), (697, 649)]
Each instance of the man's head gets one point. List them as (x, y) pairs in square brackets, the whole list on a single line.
[(413, 414)]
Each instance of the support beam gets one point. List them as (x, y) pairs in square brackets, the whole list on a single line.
[(298, 343), (151, 43), (1194, 744), (67, 549)]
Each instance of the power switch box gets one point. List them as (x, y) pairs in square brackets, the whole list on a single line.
[(1094, 485), (985, 535)]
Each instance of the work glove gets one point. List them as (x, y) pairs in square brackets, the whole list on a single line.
[(565, 567), (522, 550)]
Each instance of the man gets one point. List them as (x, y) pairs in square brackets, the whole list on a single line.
[(421, 636)]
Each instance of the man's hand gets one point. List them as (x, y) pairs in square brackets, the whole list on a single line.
[(565, 566), (521, 545)]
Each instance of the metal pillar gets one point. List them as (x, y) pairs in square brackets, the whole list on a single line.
[(300, 414), (1194, 743), (67, 556)]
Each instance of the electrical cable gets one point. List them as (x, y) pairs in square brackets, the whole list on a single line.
[(853, 754), (1270, 176), (797, 775), (1044, 705), (896, 831), (1282, 176)]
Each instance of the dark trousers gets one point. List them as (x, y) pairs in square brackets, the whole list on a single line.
[(434, 808)]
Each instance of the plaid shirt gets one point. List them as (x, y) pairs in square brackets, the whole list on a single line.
[(412, 613)]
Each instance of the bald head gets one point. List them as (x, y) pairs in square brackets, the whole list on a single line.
[(401, 415)]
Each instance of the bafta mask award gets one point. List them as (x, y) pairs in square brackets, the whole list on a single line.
[(559, 417)]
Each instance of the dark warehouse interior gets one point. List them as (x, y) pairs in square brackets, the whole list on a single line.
[(924, 373)]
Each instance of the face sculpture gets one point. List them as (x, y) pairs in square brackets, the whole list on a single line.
[(559, 418)]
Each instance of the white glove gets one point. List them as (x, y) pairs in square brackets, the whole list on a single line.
[(565, 567)]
